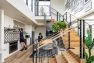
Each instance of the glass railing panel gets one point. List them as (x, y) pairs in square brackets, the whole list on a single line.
[(42, 10), (86, 28), (60, 17), (54, 16), (68, 17), (53, 11)]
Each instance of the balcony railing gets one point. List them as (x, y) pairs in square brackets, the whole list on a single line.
[(42, 10)]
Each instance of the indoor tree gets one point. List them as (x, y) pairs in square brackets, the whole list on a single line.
[(56, 27), (89, 44)]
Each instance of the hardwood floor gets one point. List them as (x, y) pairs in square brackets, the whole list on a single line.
[(23, 57), (20, 57)]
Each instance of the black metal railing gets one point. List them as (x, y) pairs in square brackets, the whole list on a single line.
[(43, 52), (70, 20)]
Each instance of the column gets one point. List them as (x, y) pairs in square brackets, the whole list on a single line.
[(2, 34)]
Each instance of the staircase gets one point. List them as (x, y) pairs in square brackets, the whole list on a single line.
[(74, 39), (48, 56), (66, 56), (69, 57)]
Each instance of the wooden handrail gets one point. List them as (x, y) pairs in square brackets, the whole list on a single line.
[(43, 43)]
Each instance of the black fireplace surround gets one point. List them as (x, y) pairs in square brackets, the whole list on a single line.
[(13, 46)]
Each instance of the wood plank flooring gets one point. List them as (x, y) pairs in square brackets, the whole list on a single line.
[(21, 57)]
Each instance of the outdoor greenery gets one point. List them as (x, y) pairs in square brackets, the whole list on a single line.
[(89, 44), (56, 27)]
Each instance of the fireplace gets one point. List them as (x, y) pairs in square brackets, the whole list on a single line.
[(13, 46)]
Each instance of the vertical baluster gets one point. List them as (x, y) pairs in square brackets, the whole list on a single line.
[(57, 16), (81, 46), (60, 17), (33, 51), (63, 17), (69, 33), (78, 26), (27, 2), (36, 51), (39, 53), (66, 16), (41, 56), (83, 38)]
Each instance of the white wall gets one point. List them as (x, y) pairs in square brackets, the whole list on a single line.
[(21, 6), (9, 23), (40, 30), (28, 29)]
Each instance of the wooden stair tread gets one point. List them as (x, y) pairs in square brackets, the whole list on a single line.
[(61, 59), (52, 60), (76, 50), (45, 60), (73, 54), (74, 39), (69, 58)]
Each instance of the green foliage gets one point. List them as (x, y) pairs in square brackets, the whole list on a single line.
[(89, 40), (86, 56), (58, 26), (90, 59), (89, 43)]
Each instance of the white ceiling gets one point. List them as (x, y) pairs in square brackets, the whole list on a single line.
[(13, 12)]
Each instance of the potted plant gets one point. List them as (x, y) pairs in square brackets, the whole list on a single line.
[(89, 44), (56, 27)]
